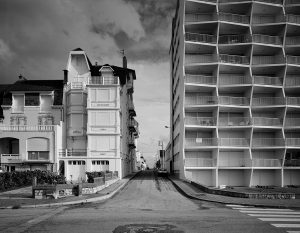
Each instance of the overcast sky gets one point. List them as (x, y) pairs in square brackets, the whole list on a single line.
[(37, 35)]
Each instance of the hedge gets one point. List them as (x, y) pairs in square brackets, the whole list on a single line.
[(10, 180)]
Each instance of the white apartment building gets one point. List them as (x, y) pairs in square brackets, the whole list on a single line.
[(82, 123), (235, 92)]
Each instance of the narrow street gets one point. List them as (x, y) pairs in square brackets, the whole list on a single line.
[(147, 204)]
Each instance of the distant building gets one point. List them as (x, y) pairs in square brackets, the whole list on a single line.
[(235, 92), (82, 123)]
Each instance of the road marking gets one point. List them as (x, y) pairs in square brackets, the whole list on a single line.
[(234, 205), (293, 231), (274, 215), (280, 219), (261, 209), (267, 212), (286, 225)]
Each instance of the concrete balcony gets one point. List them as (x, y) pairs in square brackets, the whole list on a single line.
[(292, 122), (133, 126), (200, 121), (268, 101), (199, 18), (293, 101), (266, 163), (293, 60), (75, 86), (292, 142), (292, 40), (200, 100), (27, 128), (267, 142), (267, 60), (72, 153), (292, 163), (131, 109), (266, 39), (242, 162), (232, 80), (200, 79), (131, 142), (101, 80), (293, 19), (11, 158), (234, 59), (292, 81), (258, 19), (202, 38), (234, 39), (200, 142), (234, 18), (265, 121), (231, 100), (233, 142), (199, 162), (265, 80), (234, 121), (200, 58)]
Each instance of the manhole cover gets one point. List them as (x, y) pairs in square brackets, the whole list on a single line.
[(147, 228)]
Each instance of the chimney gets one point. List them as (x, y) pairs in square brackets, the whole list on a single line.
[(65, 76), (124, 62)]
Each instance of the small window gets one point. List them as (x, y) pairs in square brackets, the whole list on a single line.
[(93, 162), (74, 162), (102, 162), (107, 162), (83, 162), (98, 162), (79, 162), (70, 162), (32, 99)]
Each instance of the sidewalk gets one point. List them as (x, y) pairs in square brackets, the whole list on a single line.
[(21, 198), (192, 192)]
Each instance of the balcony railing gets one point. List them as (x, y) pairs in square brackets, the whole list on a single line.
[(200, 121), (102, 80), (293, 60), (194, 142), (11, 158), (267, 142), (291, 2), (293, 101), (293, 19), (292, 163), (270, 1), (267, 60), (265, 80), (235, 18), (228, 80), (234, 39), (292, 40), (195, 18), (73, 152), (294, 142), (234, 121), (292, 122), (199, 58), (27, 128), (200, 100), (230, 100), (235, 163), (266, 39), (266, 163), (265, 121), (75, 86), (234, 142), (38, 156), (267, 19), (7, 102), (200, 79), (292, 80), (234, 59), (266, 101), (199, 162), (196, 37)]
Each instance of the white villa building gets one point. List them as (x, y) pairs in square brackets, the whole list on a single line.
[(82, 123)]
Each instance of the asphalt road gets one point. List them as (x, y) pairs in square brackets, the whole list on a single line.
[(147, 204)]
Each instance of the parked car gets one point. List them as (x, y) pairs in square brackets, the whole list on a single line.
[(162, 172)]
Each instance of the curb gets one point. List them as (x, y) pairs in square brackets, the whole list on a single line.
[(83, 201), (226, 202)]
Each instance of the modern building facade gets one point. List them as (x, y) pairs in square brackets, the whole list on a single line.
[(89, 121), (235, 92)]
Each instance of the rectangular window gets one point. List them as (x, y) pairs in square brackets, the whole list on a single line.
[(98, 162), (83, 162), (79, 162), (74, 162), (93, 162), (102, 162), (32, 99), (107, 118), (70, 162), (46, 103), (38, 155), (107, 162), (103, 95)]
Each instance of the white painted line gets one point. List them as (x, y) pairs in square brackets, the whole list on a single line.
[(293, 231), (236, 206), (277, 210), (275, 215), (280, 219), (287, 225), (268, 212)]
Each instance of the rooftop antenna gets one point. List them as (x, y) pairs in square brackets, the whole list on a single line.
[(122, 51)]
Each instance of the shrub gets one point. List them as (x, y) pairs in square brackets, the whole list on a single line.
[(92, 175)]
